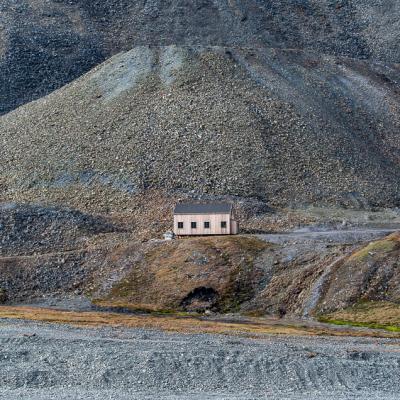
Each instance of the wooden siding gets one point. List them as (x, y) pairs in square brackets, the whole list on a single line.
[(234, 227), (214, 220)]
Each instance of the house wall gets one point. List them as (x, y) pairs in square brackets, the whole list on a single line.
[(215, 224), (234, 227)]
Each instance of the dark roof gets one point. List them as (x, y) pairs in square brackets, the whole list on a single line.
[(209, 208)]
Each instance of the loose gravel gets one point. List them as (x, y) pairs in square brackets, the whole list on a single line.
[(45, 44), (223, 121), (42, 361)]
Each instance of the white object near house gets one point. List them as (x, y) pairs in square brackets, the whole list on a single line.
[(191, 219), (169, 235)]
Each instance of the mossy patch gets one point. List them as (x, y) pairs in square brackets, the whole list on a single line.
[(367, 314), (127, 308), (376, 249), (251, 327), (390, 328), (170, 271)]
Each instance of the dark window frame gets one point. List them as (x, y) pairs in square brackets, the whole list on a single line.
[(180, 225), (223, 225), (193, 225), (207, 225)]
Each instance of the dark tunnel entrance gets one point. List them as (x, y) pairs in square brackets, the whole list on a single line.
[(200, 299)]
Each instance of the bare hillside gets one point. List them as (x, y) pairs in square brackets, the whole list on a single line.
[(287, 127), (46, 44), (61, 253)]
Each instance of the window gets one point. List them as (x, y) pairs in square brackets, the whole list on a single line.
[(223, 224), (206, 225), (180, 225), (194, 225)]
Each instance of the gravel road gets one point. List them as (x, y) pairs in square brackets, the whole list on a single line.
[(327, 236), (43, 361)]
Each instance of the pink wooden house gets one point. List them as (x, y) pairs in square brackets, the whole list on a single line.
[(191, 219)]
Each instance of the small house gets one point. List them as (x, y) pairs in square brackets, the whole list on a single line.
[(191, 219)]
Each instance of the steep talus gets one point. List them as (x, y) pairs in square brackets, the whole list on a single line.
[(46, 44), (287, 127)]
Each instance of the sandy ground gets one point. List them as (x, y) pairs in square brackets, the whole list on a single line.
[(44, 361)]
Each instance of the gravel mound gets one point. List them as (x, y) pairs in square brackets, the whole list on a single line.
[(38, 360), (286, 127), (28, 229), (46, 44)]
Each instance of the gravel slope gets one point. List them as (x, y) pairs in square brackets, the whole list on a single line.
[(33, 229), (117, 363), (45, 44), (287, 127), (59, 253)]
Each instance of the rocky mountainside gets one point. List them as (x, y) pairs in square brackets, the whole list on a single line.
[(248, 275), (288, 127), (269, 104), (45, 44)]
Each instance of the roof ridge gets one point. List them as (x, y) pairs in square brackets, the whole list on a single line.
[(203, 208)]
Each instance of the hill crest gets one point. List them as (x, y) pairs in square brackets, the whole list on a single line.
[(287, 127)]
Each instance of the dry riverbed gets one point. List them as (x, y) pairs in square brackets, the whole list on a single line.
[(56, 361)]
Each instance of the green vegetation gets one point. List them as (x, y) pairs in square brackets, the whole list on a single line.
[(367, 314), (119, 306), (380, 247), (180, 322), (168, 272), (390, 328)]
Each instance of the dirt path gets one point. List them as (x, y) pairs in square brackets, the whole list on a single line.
[(331, 236)]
